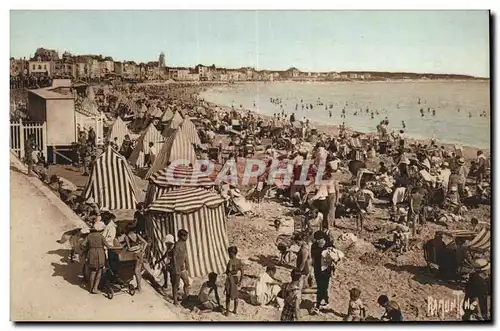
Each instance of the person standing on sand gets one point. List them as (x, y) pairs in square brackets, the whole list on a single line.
[(29, 147), (180, 266), (292, 297), (93, 246), (233, 280), (322, 277), (481, 167), (303, 260)]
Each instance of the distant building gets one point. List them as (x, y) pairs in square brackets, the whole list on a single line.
[(38, 67), (118, 68), (130, 69), (83, 64), (107, 66), (206, 73), (152, 70), (292, 73), (18, 67)]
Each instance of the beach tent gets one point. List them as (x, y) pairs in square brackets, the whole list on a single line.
[(175, 148), (202, 214), (175, 176), (119, 130), (176, 120), (149, 135), (167, 115), (173, 124), (154, 112), (189, 129), (111, 182)]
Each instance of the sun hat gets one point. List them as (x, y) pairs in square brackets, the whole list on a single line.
[(445, 164), (168, 239), (461, 160)]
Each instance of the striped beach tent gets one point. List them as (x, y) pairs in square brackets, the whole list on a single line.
[(149, 135), (119, 130), (482, 241), (111, 182), (175, 176), (189, 129), (175, 148), (201, 213), (176, 121), (167, 115), (172, 125)]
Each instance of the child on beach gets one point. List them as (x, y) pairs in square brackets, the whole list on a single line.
[(233, 282), (204, 302), (356, 311)]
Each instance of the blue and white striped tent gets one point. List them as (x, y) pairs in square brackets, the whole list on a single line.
[(111, 182)]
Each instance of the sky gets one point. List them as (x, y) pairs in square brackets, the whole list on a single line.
[(454, 42)]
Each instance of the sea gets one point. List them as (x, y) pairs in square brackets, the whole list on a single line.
[(461, 108)]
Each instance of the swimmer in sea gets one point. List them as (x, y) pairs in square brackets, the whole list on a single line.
[(367, 110), (418, 100), (372, 116), (434, 112), (376, 112), (404, 125), (355, 113), (428, 110), (330, 114), (254, 103), (470, 115)]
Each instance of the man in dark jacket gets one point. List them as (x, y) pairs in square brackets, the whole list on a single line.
[(322, 277)]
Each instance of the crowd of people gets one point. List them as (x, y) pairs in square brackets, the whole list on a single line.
[(410, 176)]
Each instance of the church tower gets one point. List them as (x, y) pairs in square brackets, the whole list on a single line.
[(161, 60)]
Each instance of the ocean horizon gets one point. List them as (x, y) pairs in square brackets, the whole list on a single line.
[(458, 105)]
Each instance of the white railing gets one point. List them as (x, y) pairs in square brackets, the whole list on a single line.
[(20, 131)]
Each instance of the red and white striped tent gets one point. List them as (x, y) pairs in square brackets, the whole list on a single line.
[(149, 135), (111, 182), (189, 129), (119, 130), (201, 213), (175, 176), (175, 148)]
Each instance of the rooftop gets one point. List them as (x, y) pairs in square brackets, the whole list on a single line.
[(48, 94)]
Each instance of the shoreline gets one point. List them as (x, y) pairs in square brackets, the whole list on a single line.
[(469, 152)]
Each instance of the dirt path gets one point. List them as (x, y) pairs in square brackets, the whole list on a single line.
[(44, 287)]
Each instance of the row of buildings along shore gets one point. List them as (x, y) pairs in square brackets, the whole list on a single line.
[(48, 63)]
